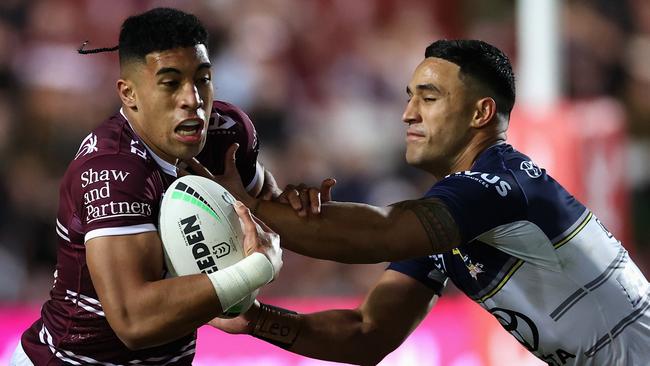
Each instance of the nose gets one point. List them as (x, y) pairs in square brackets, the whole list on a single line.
[(411, 114), (191, 99)]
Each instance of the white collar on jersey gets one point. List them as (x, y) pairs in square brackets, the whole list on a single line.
[(168, 168)]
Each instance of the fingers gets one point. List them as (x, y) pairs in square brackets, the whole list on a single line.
[(180, 172), (266, 195), (263, 225), (250, 229), (270, 189), (230, 166), (298, 198), (303, 199), (326, 189), (198, 168), (314, 200)]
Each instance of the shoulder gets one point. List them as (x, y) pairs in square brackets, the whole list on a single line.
[(490, 175), (110, 153), (112, 137), (484, 197)]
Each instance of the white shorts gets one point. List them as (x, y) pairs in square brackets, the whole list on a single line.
[(19, 358)]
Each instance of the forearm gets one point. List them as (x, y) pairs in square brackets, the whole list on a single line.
[(334, 335), (159, 312), (344, 232), (192, 304)]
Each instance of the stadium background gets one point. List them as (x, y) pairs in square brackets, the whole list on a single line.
[(324, 81)]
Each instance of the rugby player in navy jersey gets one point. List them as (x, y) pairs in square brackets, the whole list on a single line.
[(495, 223), (111, 303)]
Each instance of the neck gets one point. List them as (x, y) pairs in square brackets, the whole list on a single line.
[(134, 121), (467, 156)]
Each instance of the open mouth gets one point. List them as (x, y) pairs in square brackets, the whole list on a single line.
[(189, 131), (189, 128)]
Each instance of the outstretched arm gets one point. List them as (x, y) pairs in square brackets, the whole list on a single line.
[(359, 233), (352, 232), (365, 335)]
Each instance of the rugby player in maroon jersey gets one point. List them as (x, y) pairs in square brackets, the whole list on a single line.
[(110, 303)]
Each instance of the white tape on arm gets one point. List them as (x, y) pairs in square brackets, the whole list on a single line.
[(237, 281)]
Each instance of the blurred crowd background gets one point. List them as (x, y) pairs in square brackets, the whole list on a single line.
[(323, 80)]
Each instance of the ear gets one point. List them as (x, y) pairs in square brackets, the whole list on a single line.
[(126, 91), (485, 110)]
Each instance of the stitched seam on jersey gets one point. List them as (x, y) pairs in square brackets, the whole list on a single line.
[(503, 281), (619, 327), (574, 232), (617, 263)]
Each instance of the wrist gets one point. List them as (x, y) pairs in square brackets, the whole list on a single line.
[(276, 325), (234, 283), (252, 315)]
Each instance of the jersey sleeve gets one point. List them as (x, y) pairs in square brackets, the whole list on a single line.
[(479, 202), (423, 270), (229, 124), (116, 195)]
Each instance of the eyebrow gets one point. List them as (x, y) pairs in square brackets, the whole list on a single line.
[(424, 87), (167, 70)]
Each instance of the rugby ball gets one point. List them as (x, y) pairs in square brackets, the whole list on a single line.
[(200, 231)]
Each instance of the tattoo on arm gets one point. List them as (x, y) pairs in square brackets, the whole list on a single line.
[(437, 222), (277, 326)]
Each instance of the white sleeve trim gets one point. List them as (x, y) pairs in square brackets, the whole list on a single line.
[(259, 170), (122, 230)]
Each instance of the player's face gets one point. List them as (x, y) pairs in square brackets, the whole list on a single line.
[(438, 115), (174, 97)]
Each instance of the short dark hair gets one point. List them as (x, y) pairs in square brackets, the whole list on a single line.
[(159, 29), (483, 62)]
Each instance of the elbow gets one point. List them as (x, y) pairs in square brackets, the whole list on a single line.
[(376, 347), (133, 334), (134, 343), (373, 357), (132, 338), (370, 356)]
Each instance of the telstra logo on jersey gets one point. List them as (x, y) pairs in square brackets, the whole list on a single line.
[(488, 180)]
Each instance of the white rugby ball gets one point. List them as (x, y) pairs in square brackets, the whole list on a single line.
[(200, 231)]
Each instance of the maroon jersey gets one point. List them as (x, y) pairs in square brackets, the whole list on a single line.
[(229, 124), (113, 187)]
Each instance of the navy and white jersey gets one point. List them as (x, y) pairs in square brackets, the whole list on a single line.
[(541, 263)]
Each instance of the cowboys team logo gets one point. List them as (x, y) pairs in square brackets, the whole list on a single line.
[(474, 269), (531, 169), (88, 145)]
